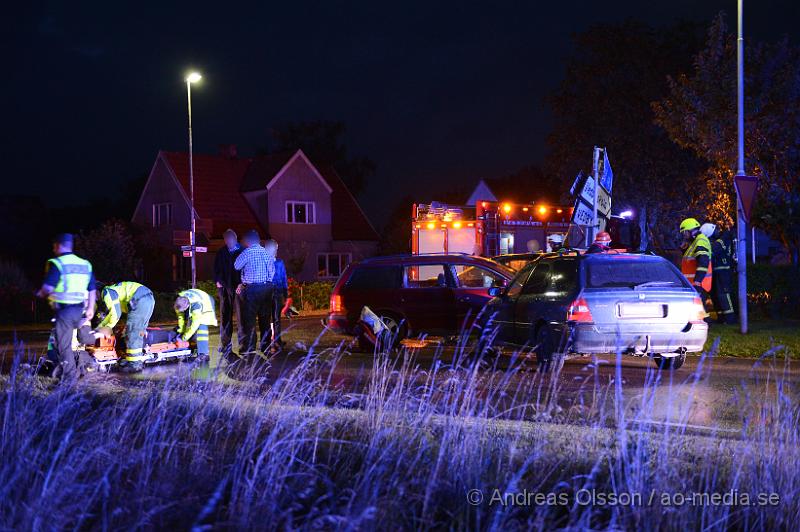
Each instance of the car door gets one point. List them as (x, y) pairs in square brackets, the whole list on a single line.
[(529, 305), (427, 300), (501, 308), (471, 290)]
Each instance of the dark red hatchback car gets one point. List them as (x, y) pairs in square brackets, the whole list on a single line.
[(434, 294)]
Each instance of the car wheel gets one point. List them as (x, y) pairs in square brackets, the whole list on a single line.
[(670, 362), (546, 355)]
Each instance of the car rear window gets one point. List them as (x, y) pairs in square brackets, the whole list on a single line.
[(564, 276), (631, 273), (377, 278)]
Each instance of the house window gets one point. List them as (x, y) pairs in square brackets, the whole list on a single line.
[(331, 265), (301, 212), (162, 214)]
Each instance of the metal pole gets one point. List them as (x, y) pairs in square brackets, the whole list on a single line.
[(741, 227), (595, 174), (191, 186), (753, 242)]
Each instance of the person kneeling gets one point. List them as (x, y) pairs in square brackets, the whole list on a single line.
[(195, 311)]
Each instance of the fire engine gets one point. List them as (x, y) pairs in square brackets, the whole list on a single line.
[(488, 228)]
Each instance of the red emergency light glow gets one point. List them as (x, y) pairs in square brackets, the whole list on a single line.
[(559, 211), (506, 208), (456, 225), (542, 210), (431, 225)]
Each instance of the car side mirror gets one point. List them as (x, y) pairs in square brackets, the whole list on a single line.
[(495, 291)]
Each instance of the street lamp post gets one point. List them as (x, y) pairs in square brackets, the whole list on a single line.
[(192, 78)]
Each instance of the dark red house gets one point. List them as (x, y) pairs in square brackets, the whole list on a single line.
[(307, 208)]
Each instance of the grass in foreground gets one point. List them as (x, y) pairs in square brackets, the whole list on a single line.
[(762, 336), (303, 451)]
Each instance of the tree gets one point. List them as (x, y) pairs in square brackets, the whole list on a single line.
[(111, 250), (604, 100), (396, 235), (699, 113), (323, 142)]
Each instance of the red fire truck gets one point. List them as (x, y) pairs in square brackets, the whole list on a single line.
[(488, 228)]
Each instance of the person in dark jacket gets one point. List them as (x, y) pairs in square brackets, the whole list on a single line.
[(280, 291), (722, 263), (227, 279)]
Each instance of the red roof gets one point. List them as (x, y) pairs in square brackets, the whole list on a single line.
[(216, 189), (219, 182), (349, 221)]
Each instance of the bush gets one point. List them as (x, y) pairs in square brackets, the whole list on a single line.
[(16, 297), (773, 291), (310, 296)]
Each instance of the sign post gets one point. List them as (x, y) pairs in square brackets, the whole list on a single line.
[(596, 175), (741, 216)]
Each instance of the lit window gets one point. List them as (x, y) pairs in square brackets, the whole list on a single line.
[(301, 212), (331, 265), (162, 214)]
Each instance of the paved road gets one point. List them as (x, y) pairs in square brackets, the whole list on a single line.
[(707, 393)]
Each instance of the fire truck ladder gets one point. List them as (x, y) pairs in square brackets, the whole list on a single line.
[(492, 242)]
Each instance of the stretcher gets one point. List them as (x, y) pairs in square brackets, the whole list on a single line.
[(160, 345), (96, 352)]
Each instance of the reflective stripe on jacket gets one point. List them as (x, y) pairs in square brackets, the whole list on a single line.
[(696, 262), (73, 283)]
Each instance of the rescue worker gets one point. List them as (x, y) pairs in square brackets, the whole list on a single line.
[(195, 311), (137, 301), (722, 284), (555, 242), (602, 243), (280, 292), (69, 285), (696, 262)]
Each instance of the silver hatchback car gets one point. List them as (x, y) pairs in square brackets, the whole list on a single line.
[(574, 304)]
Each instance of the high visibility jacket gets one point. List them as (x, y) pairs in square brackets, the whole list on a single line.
[(73, 281), (116, 298), (200, 312), (696, 263)]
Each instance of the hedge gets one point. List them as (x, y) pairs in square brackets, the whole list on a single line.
[(773, 291)]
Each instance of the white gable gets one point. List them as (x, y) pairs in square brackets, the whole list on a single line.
[(482, 192)]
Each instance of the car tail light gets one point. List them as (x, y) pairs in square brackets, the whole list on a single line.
[(699, 308), (579, 311), (337, 307)]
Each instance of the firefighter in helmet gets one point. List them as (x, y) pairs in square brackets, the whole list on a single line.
[(696, 261), (602, 243)]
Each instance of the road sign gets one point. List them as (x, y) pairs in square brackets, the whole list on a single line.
[(187, 253), (582, 214), (186, 248), (603, 197), (201, 249), (746, 188)]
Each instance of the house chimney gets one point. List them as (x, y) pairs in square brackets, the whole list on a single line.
[(228, 151)]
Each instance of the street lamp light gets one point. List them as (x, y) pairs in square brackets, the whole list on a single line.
[(193, 77)]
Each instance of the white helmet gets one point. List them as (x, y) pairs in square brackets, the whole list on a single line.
[(708, 229), (556, 238)]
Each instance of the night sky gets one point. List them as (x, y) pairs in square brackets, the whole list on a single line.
[(434, 92)]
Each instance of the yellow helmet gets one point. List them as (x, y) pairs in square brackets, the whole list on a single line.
[(689, 224)]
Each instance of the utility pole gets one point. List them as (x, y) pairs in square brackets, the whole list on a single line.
[(741, 227)]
